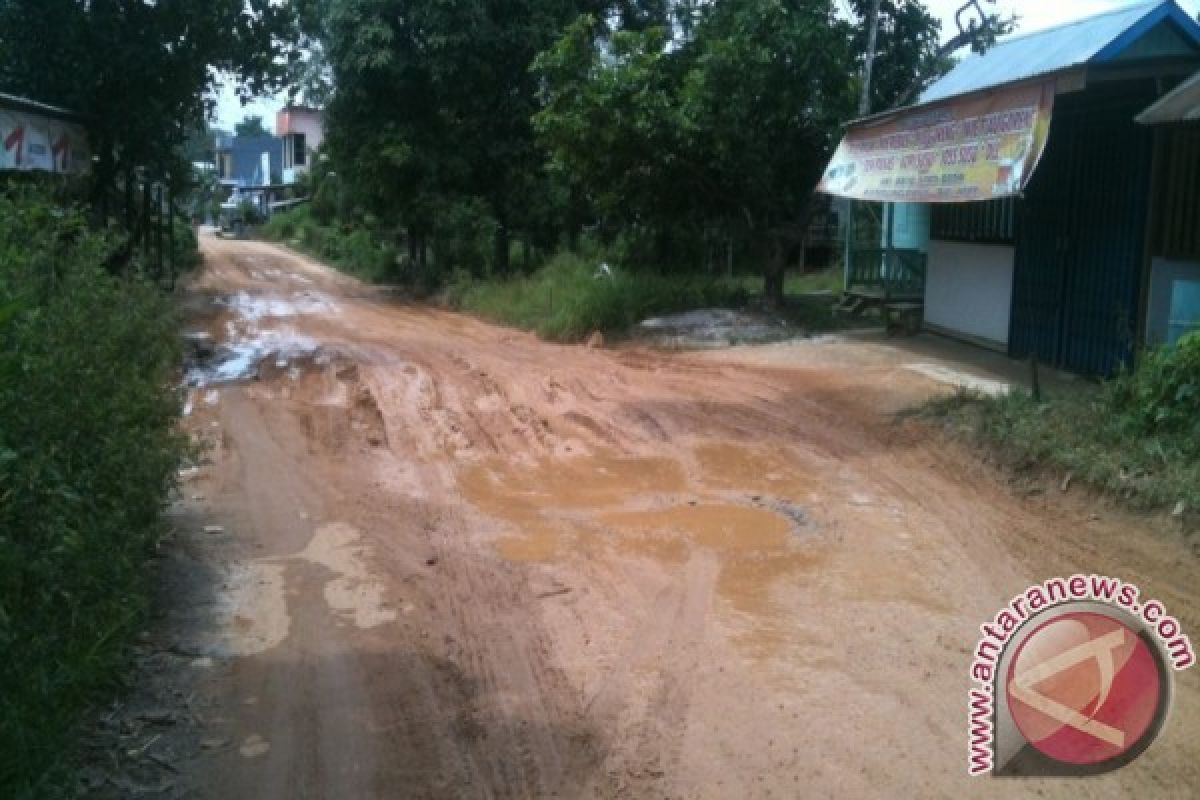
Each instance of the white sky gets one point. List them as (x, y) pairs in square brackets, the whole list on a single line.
[(1034, 14), (230, 110)]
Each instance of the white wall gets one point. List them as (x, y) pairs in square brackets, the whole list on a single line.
[(968, 289)]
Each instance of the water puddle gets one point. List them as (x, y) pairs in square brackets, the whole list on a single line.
[(584, 482), (255, 307), (727, 529), (604, 507), (247, 345), (242, 359), (731, 466)]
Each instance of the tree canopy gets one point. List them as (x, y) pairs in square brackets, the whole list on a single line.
[(142, 73), (658, 124), (251, 126)]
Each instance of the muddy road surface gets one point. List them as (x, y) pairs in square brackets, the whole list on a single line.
[(444, 559)]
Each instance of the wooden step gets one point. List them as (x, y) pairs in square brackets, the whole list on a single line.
[(904, 317)]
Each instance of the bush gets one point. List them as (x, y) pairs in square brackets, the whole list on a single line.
[(88, 454), (354, 250), (1161, 397), (569, 298), (286, 225), (464, 237), (249, 214), (187, 249), (1137, 437)]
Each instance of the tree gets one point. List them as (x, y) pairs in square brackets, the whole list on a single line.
[(142, 73), (977, 29), (201, 144), (251, 126), (433, 103), (907, 45), (728, 129)]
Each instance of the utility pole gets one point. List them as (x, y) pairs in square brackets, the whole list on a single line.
[(864, 104), (864, 108)]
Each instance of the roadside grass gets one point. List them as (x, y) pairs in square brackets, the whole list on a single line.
[(353, 251), (88, 454), (1115, 437), (569, 298), (565, 299)]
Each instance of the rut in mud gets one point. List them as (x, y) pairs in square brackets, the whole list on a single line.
[(461, 562)]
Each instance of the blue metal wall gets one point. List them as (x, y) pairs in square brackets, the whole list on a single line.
[(1082, 227)]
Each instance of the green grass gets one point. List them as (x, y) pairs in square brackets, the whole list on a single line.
[(563, 300), (566, 299), (1080, 434), (353, 251)]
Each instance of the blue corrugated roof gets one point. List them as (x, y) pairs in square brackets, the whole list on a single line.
[(1094, 40)]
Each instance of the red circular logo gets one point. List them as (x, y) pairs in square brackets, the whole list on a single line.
[(1084, 688)]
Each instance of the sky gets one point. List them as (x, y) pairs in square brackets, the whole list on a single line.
[(1034, 14)]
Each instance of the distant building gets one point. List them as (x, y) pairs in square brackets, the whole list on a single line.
[(246, 161), (302, 132)]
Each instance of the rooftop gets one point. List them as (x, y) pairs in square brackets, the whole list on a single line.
[(1143, 30)]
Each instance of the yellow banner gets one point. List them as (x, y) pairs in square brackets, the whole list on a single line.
[(965, 150)]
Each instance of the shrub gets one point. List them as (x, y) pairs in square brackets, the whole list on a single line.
[(354, 250), (463, 236), (88, 454), (1137, 437), (187, 249), (569, 298), (1161, 397), (286, 225), (249, 214)]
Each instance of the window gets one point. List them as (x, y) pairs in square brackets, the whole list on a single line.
[(986, 222), (299, 151), (1185, 310)]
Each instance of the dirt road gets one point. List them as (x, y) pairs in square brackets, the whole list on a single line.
[(455, 561)]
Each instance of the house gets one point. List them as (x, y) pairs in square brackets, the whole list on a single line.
[(249, 161), (42, 138), (1173, 299), (302, 132), (1025, 206)]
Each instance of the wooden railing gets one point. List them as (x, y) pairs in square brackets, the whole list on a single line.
[(897, 273)]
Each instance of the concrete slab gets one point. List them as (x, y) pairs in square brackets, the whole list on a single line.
[(939, 358)]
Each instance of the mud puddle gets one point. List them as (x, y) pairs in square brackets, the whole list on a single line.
[(607, 509), (247, 341)]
